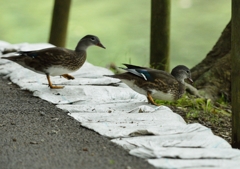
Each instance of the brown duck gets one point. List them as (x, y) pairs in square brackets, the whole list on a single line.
[(154, 83), (56, 61)]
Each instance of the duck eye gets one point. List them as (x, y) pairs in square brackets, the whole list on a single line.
[(92, 39)]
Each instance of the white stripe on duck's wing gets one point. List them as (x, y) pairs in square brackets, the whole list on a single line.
[(138, 71), (145, 74), (135, 72)]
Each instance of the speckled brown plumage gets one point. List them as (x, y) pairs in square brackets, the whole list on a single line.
[(162, 85), (49, 57), (56, 61)]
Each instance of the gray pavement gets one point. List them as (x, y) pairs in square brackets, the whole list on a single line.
[(34, 134)]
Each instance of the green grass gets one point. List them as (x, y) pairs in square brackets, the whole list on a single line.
[(214, 115), (194, 106), (123, 27)]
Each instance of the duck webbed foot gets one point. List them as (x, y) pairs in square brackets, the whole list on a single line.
[(150, 100), (68, 77), (51, 86)]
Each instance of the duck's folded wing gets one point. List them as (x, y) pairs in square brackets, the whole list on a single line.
[(53, 56)]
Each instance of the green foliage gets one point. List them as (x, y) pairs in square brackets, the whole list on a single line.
[(214, 115), (123, 27), (194, 106)]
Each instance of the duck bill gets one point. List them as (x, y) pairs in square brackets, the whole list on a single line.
[(190, 80), (100, 45)]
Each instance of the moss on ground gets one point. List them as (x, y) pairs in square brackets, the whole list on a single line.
[(215, 115)]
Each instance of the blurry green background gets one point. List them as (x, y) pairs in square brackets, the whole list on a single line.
[(123, 27)]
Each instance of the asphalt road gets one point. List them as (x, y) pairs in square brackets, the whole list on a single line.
[(34, 134)]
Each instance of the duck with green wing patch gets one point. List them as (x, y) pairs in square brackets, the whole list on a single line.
[(154, 83)]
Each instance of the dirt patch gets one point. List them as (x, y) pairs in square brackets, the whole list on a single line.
[(220, 124)]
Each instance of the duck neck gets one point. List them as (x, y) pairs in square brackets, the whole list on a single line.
[(81, 46), (181, 80)]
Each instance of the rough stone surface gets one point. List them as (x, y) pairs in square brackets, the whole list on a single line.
[(36, 134)]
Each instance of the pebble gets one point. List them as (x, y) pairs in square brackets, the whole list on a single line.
[(42, 113)]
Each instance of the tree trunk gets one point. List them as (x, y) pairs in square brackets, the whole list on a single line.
[(212, 75), (59, 25), (160, 34), (235, 79)]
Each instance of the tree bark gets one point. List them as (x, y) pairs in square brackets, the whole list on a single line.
[(235, 79), (59, 25), (212, 75), (160, 34)]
